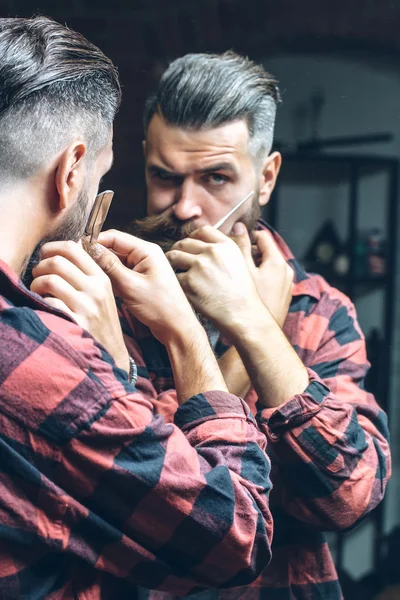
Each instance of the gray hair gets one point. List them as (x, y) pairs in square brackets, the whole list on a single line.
[(203, 91), (54, 86)]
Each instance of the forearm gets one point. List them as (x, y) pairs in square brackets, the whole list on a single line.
[(275, 370), (234, 373), (193, 363)]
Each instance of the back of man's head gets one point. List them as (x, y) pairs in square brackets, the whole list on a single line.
[(203, 91), (54, 86)]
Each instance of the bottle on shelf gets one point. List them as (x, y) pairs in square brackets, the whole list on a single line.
[(376, 253)]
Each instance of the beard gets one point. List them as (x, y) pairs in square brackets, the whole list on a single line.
[(72, 228), (165, 229)]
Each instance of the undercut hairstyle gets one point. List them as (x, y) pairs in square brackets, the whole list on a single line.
[(55, 86), (204, 91)]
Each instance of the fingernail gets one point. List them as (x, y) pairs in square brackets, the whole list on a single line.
[(238, 228), (94, 250)]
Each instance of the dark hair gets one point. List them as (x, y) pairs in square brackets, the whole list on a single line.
[(201, 91), (54, 84)]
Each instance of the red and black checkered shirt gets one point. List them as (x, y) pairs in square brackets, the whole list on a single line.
[(97, 493), (328, 447)]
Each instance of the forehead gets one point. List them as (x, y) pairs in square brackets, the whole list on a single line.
[(170, 144)]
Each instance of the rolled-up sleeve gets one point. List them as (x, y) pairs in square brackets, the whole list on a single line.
[(332, 441)]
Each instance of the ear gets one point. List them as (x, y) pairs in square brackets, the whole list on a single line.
[(70, 174), (269, 174), (144, 148)]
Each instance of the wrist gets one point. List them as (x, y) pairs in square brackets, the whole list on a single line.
[(193, 362), (122, 361), (186, 338), (245, 325), (275, 370)]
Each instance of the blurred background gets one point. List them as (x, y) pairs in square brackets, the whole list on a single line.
[(338, 128)]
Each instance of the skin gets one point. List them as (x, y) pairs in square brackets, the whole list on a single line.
[(200, 176), (71, 281)]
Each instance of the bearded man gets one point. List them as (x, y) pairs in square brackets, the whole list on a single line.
[(97, 493), (286, 340)]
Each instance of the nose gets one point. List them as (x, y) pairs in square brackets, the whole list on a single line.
[(187, 205)]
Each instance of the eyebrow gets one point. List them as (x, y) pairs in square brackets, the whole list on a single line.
[(219, 167), (157, 169), (212, 169)]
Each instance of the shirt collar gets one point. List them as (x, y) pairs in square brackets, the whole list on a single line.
[(11, 287)]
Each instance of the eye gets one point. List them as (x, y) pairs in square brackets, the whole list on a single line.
[(217, 178), (164, 176)]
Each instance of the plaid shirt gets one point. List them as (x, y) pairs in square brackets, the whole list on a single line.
[(328, 446), (97, 493)]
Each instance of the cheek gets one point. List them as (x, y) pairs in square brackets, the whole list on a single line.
[(214, 211), (158, 199), (234, 218)]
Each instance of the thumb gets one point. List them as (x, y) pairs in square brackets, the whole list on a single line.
[(110, 264), (241, 237), (267, 246)]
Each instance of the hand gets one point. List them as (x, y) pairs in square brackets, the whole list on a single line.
[(273, 277), (142, 277), (215, 277), (71, 281)]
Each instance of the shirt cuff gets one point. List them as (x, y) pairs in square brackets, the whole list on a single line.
[(296, 410), (211, 405)]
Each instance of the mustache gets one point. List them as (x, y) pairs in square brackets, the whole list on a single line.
[(165, 229), (162, 229)]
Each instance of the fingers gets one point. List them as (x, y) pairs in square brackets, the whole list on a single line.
[(208, 234), (181, 261), (190, 245), (108, 262), (240, 235), (71, 251), (267, 247), (123, 278), (117, 241), (271, 256), (59, 305), (56, 286), (64, 268), (120, 276), (126, 245)]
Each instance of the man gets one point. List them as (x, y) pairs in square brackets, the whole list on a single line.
[(209, 130), (97, 494)]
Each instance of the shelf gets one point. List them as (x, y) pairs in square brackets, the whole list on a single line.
[(329, 168), (340, 158), (369, 280)]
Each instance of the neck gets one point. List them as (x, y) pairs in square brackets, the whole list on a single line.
[(20, 230)]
